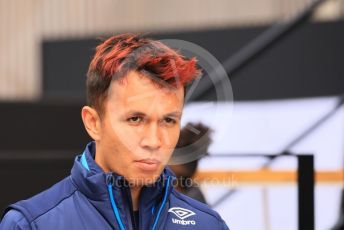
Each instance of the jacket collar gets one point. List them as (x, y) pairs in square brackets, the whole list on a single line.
[(92, 181)]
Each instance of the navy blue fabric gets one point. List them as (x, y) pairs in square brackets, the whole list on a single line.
[(136, 218), (81, 201)]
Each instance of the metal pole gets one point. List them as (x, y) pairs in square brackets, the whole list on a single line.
[(305, 182)]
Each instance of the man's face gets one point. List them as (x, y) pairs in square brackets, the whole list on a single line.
[(140, 128)]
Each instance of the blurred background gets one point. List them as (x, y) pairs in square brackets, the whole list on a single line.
[(284, 59)]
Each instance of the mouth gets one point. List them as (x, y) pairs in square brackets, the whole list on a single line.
[(148, 164)]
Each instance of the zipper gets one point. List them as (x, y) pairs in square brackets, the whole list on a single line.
[(109, 182), (128, 194), (162, 204)]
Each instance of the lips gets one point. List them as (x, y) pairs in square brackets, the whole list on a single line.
[(148, 164)]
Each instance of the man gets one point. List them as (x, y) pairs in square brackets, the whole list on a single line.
[(135, 91)]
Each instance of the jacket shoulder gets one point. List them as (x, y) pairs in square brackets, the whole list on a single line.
[(208, 216), (14, 220), (41, 203)]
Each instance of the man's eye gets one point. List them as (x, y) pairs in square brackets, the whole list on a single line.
[(170, 120), (134, 119)]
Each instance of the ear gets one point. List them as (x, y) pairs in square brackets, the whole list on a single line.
[(91, 122)]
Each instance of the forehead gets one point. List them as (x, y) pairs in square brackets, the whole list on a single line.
[(136, 91)]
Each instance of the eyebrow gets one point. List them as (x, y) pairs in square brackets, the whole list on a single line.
[(138, 113), (175, 114)]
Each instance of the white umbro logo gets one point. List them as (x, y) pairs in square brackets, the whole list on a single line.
[(182, 213)]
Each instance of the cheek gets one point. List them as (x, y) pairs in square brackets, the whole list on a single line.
[(120, 138), (170, 137), (119, 131)]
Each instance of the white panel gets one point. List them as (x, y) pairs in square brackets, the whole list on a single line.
[(267, 127)]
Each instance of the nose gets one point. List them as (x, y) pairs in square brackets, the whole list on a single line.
[(151, 138)]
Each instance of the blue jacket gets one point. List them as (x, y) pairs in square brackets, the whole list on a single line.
[(92, 199)]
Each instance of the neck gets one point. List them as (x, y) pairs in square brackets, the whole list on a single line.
[(135, 190), (135, 194)]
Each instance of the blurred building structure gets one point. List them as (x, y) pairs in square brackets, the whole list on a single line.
[(25, 24)]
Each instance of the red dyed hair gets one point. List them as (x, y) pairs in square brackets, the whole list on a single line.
[(118, 55)]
